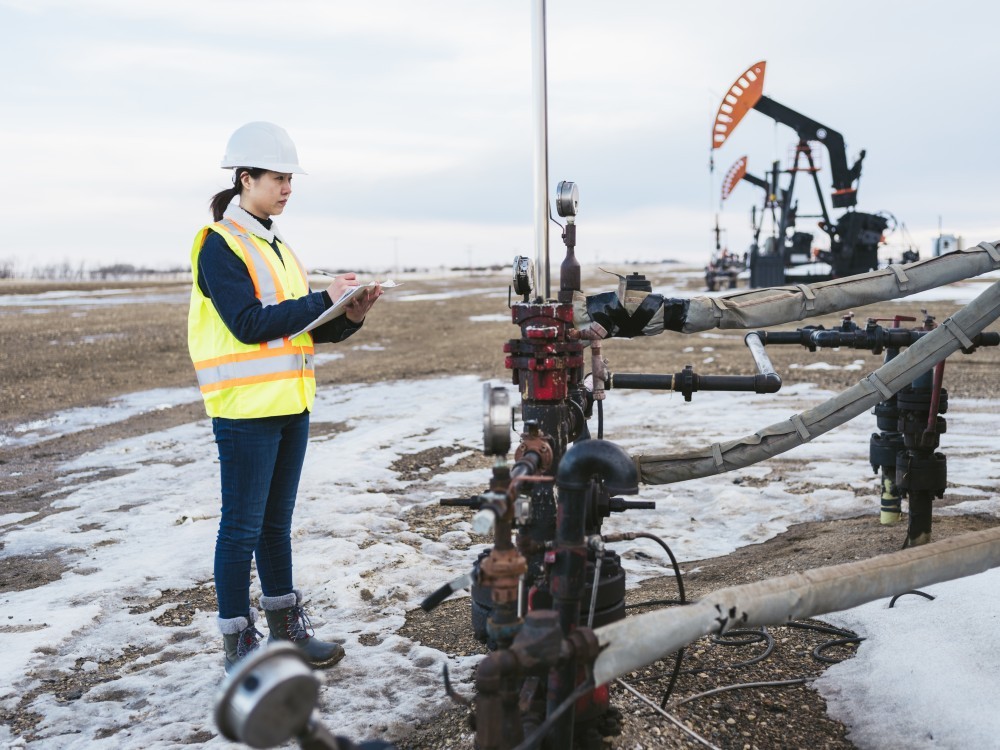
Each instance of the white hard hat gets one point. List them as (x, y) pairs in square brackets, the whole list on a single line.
[(263, 145)]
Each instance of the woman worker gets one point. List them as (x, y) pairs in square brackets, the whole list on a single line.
[(249, 299)]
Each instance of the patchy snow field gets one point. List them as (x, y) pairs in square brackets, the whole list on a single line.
[(139, 516)]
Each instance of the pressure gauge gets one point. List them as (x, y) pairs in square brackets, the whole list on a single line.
[(497, 420), (567, 199), (523, 271), (269, 699)]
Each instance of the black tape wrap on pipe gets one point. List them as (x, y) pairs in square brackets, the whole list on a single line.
[(607, 309)]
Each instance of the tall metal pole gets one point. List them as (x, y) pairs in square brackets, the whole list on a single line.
[(541, 150)]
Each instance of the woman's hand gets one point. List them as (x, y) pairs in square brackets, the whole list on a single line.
[(341, 284), (358, 307)]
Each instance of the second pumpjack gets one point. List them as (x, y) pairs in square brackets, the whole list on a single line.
[(855, 236)]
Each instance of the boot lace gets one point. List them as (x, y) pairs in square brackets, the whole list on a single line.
[(298, 624), (247, 641)]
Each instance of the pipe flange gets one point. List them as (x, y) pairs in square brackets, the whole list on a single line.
[(535, 444), (501, 564)]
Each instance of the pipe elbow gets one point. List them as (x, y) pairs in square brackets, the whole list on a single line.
[(769, 383), (602, 458)]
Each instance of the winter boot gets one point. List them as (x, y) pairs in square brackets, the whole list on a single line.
[(288, 621), (239, 637)]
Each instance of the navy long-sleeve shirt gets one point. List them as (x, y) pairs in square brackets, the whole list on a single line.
[(223, 278)]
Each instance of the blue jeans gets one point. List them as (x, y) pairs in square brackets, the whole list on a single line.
[(261, 460)]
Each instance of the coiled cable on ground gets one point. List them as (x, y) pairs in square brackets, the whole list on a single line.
[(845, 637), (925, 595), (736, 637)]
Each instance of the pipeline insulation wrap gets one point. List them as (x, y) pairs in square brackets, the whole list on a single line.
[(635, 642), (759, 308), (801, 428)]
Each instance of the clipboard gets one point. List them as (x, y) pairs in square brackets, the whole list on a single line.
[(339, 305)]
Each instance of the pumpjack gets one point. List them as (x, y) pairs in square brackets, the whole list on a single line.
[(855, 236)]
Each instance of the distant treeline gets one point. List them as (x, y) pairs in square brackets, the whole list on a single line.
[(127, 272), (67, 271)]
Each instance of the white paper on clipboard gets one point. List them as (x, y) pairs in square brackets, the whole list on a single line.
[(339, 305)]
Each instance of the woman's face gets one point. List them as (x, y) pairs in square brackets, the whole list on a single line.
[(267, 195)]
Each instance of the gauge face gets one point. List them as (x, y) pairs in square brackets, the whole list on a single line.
[(523, 271), (268, 700), (496, 420), (567, 198)]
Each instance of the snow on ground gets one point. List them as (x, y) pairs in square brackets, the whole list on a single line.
[(149, 524), (927, 675), (85, 418), (151, 527), (83, 300)]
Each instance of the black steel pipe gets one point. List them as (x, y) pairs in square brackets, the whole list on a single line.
[(526, 465), (688, 381), (584, 462), (861, 338), (757, 383), (692, 382), (640, 381), (802, 336)]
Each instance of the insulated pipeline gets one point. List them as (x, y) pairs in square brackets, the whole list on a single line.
[(760, 308), (638, 641), (954, 333), (630, 313)]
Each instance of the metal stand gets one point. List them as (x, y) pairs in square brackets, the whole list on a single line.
[(904, 450), (922, 472)]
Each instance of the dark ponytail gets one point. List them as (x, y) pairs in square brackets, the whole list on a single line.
[(221, 200)]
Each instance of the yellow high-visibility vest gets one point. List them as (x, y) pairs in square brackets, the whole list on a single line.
[(245, 381)]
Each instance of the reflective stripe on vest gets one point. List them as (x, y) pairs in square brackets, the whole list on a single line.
[(256, 370), (266, 284)]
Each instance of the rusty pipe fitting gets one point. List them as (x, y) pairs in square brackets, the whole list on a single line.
[(501, 571)]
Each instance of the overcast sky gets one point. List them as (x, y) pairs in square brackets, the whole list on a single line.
[(414, 121)]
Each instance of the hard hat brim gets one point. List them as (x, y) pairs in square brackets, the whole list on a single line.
[(270, 166)]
